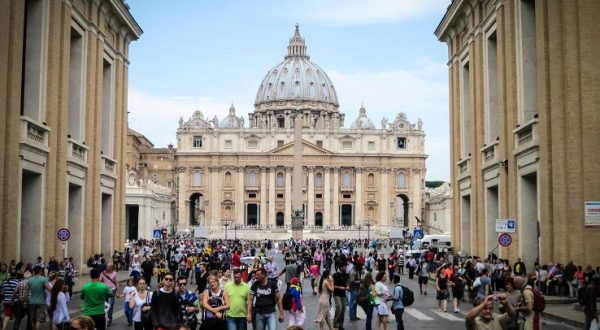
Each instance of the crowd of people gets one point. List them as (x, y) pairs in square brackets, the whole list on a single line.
[(180, 283)]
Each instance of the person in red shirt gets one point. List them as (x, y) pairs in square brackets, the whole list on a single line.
[(236, 260)]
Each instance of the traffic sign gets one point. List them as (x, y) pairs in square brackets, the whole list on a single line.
[(418, 234), (506, 225), (504, 239), (63, 234), (156, 233), (165, 231)]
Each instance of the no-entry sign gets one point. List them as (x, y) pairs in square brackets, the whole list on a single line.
[(504, 239)]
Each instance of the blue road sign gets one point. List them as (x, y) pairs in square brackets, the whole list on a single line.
[(156, 233), (510, 225), (418, 234)]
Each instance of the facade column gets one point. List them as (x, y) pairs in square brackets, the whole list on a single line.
[(271, 217), (311, 196), (384, 218), (335, 217), (214, 202), (183, 217), (288, 196), (327, 197), (239, 203), (263, 196), (358, 203)]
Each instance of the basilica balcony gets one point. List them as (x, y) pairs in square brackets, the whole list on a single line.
[(526, 136), (346, 189), (77, 152), (252, 188), (489, 154), (464, 167), (34, 135)]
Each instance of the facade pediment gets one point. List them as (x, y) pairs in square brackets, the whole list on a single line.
[(307, 149)]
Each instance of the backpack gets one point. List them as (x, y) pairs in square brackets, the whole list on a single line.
[(539, 302), (213, 301), (286, 301), (408, 297), (363, 297)]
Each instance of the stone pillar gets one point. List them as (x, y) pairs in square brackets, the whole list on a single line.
[(239, 203), (271, 218), (263, 196), (288, 196), (384, 218), (311, 196), (358, 200), (327, 197), (214, 202), (335, 216), (183, 217)]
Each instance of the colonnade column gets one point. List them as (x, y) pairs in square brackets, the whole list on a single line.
[(384, 218), (214, 195), (358, 204), (311, 196), (327, 197), (239, 203), (263, 196), (271, 195), (335, 217), (183, 218), (288, 195)]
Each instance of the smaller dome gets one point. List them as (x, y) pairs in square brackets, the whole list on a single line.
[(362, 122), (232, 121)]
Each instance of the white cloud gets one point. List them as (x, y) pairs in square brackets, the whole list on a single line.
[(357, 12)]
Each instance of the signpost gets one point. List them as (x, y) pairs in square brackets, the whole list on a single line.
[(156, 233), (592, 214), (504, 239), (506, 225), (418, 233), (63, 234)]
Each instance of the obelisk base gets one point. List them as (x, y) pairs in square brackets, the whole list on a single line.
[(297, 226)]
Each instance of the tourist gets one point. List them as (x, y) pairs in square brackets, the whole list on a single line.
[(340, 286), (139, 301), (441, 285), (382, 296), (238, 293), (481, 316), (37, 284), (368, 287), (296, 313), (129, 287), (83, 322), (215, 302), (267, 296), (188, 303), (94, 294), (58, 305), (423, 273), (397, 305), (111, 279), (165, 305), (325, 289)]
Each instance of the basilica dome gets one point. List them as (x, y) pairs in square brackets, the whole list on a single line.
[(296, 79)]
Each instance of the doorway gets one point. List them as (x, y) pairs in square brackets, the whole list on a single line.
[(346, 215), (132, 216), (252, 214), (279, 219)]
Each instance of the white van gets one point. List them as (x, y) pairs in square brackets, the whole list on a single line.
[(438, 242)]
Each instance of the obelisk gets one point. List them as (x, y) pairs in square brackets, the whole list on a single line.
[(297, 198)]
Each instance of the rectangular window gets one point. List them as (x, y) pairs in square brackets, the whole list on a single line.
[(401, 143), (465, 110), (347, 144), (319, 196), (371, 145), (279, 143), (196, 179), (526, 60), (252, 195), (281, 122), (491, 95), (197, 142), (279, 196), (76, 84), (252, 144), (346, 180), (34, 59), (320, 143), (228, 144), (107, 106), (347, 196)]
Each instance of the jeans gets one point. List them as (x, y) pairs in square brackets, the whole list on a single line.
[(109, 313), (266, 321), (236, 323), (128, 312), (340, 310), (352, 304), (369, 311), (398, 313), (21, 312)]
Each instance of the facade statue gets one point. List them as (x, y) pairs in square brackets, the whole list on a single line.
[(384, 123), (241, 121), (419, 124), (180, 122)]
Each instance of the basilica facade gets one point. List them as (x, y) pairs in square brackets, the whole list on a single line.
[(240, 170)]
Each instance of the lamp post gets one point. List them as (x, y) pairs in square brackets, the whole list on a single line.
[(235, 228), (359, 228), (226, 223), (368, 224)]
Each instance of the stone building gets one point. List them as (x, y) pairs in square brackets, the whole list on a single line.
[(241, 170), (524, 99), (438, 210), (150, 201), (63, 68)]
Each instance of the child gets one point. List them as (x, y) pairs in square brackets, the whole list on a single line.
[(130, 287)]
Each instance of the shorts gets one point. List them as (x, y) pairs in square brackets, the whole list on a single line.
[(382, 309), (9, 309), (37, 313), (458, 294), (423, 279)]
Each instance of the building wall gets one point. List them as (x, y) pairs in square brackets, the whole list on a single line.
[(523, 116), (55, 168), (438, 210)]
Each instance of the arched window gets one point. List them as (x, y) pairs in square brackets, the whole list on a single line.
[(196, 179), (400, 180), (228, 179), (252, 179), (371, 180), (319, 180), (346, 180), (279, 179)]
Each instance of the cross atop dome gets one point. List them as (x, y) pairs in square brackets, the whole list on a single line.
[(297, 48)]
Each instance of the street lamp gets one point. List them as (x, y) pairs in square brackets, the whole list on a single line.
[(368, 224), (235, 228), (226, 223)]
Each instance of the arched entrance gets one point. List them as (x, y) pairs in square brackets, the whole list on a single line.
[(319, 219), (196, 209), (401, 209), (279, 219)]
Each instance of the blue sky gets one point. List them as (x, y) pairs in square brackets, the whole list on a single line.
[(206, 54)]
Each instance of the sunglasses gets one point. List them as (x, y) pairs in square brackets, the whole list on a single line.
[(182, 283), (169, 279)]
